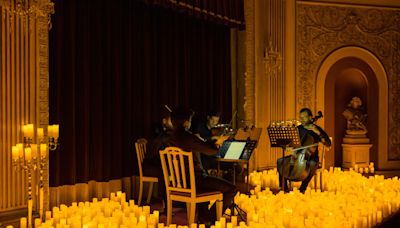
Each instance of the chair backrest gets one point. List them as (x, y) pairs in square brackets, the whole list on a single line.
[(140, 146), (176, 165), (321, 153)]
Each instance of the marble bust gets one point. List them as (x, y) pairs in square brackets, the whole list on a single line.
[(356, 117)]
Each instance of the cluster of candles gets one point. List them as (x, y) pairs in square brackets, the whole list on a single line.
[(111, 212), (28, 131), (368, 169), (108, 212), (349, 199), (29, 152)]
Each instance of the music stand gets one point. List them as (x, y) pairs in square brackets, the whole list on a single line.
[(283, 136)]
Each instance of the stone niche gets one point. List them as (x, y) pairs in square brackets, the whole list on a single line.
[(344, 51)]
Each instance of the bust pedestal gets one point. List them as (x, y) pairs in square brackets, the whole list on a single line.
[(356, 151)]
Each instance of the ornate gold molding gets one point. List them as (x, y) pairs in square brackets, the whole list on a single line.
[(323, 29), (249, 77)]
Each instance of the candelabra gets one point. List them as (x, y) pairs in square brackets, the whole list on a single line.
[(52, 140), (31, 157)]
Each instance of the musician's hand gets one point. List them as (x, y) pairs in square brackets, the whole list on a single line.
[(221, 140), (312, 127), (289, 149)]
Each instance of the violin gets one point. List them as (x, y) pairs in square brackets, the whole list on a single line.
[(297, 169)]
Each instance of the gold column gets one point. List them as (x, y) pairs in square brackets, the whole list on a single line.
[(24, 88)]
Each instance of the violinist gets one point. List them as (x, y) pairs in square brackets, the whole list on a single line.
[(310, 133), (204, 129)]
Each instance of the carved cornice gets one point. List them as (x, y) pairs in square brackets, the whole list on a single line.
[(323, 29), (33, 9)]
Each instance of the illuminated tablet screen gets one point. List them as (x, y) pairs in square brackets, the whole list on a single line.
[(235, 150)]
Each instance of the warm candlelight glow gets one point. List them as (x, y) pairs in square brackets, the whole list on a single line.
[(349, 199), (20, 147), (15, 152), (34, 148), (53, 130), (28, 154), (43, 150), (27, 130)]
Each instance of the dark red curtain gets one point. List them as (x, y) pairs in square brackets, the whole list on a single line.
[(113, 66)]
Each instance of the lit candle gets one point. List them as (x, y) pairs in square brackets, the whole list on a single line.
[(43, 150), (20, 147), (28, 154), (53, 130), (56, 127), (50, 131), (234, 221), (48, 215), (28, 130), (38, 222), (23, 222), (40, 133), (34, 148), (379, 216), (15, 153)]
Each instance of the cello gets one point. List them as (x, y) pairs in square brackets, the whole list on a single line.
[(297, 169)]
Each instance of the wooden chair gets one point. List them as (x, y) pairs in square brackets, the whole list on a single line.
[(175, 175), (140, 145)]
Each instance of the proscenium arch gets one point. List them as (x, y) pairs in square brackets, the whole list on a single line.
[(380, 73)]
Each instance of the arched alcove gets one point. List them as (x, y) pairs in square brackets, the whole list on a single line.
[(350, 77), (354, 71)]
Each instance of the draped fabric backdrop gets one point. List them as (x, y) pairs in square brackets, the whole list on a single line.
[(113, 66)]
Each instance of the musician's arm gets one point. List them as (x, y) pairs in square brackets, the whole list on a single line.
[(202, 147), (324, 137)]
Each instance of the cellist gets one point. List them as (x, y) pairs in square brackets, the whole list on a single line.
[(310, 133)]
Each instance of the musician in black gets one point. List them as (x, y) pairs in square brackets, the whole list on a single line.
[(310, 133), (203, 128), (180, 137)]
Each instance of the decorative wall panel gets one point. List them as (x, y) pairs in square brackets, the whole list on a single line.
[(322, 29)]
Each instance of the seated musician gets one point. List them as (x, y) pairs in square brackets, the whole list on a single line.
[(180, 137), (206, 130), (310, 133), (203, 128)]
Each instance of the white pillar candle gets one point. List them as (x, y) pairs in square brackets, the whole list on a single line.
[(38, 222), (34, 148), (43, 150), (23, 222), (15, 153), (20, 147), (234, 221), (379, 216), (48, 215), (53, 130), (28, 154), (27, 130)]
